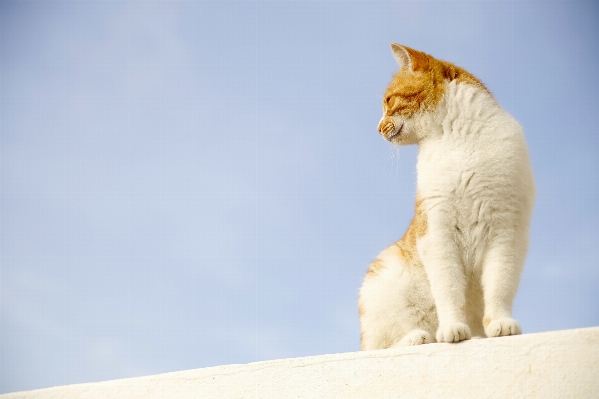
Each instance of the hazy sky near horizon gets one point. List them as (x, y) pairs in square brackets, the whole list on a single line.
[(192, 184)]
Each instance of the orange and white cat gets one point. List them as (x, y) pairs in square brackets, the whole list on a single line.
[(455, 272)]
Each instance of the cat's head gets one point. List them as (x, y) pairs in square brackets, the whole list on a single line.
[(414, 94)]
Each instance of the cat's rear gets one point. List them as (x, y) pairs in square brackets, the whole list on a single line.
[(456, 270)]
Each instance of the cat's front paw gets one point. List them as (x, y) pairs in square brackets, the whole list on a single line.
[(454, 332), (502, 326)]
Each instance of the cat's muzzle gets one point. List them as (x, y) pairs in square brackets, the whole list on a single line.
[(388, 129)]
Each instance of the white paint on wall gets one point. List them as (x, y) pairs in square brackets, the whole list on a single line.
[(558, 364)]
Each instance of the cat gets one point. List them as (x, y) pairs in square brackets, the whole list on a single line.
[(455, 272)]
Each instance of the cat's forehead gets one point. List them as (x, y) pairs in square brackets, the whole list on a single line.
[(406, 82), (413, 91)]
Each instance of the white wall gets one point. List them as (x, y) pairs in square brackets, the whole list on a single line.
[(559, 364)]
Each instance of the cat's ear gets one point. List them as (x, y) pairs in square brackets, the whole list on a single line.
[(409, 59), (402, 56)]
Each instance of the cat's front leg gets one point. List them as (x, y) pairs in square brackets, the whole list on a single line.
[(444, 268), (501, 276)]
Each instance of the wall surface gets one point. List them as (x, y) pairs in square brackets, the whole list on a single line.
[(558, 364)]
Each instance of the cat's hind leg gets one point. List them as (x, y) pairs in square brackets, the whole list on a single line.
[(416, 337), (396, 306)]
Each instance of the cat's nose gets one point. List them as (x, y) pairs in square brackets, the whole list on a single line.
[(380, 125)]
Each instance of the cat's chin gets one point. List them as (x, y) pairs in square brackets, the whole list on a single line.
[(396, 134)]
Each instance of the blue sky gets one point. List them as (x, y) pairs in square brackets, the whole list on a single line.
[(192, 184)]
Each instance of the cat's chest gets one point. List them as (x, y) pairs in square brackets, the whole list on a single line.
[(460, 176), (467, 160), (465, 182)]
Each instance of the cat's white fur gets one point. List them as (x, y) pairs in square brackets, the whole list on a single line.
[(476, 188)]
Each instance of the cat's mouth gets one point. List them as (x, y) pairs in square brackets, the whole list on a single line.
[(397, 133)]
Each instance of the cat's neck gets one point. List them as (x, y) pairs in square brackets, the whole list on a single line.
[(460, 102), (469, 102)]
